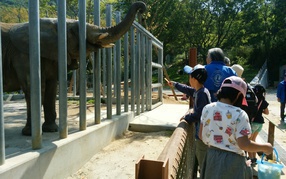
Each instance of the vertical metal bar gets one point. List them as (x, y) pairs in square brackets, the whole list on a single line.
[(160, 73), (137, 69), (82, 72), (63, 129), (35, 73), (103, 72), (114, 68), (109, 67), (74, 82), (133, 74), (142, 72), (149, 75), (2, 134), (126, 72), (118, 69), (97, 69)]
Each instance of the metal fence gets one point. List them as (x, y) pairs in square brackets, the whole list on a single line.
[(141, 54)]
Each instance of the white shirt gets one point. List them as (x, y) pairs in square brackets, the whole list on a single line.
[(223, 124)]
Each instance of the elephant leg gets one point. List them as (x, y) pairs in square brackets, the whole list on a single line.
[(49, 106), (20, 65), (27, 130)]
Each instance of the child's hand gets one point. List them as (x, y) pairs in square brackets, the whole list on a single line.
[(182, 118), (248, 163), (170, 83)]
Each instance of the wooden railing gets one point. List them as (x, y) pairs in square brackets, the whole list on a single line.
[(177, 158)]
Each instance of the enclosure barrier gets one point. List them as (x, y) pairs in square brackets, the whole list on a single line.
[(176, 160), (146, 54)]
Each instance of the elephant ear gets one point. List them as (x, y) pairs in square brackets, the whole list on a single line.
[(19, 35)]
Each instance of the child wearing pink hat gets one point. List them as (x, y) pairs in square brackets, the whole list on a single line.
[(225, 128)]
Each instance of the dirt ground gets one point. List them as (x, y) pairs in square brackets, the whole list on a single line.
[(118, 159)]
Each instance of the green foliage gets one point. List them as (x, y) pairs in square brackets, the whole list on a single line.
[(14, 11), (249, 72), (249, 32)]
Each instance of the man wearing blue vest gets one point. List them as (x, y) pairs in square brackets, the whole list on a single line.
[(281, 91), (217, 71)]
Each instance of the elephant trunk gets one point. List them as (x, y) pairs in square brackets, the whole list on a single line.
[(106, 36)]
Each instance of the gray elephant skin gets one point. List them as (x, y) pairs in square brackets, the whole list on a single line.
[(16, 65)]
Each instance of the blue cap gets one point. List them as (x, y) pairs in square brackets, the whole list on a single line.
[(198, 72), (189, 70)]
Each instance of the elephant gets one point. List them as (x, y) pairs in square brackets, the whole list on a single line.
[(16, 65)]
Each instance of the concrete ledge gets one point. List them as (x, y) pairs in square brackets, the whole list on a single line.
[(61, 158), (165, 117), (150, 128)]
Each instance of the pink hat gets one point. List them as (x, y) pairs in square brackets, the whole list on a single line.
[(236, 83)]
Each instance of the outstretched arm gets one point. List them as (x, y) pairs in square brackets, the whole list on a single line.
[(250, 146)]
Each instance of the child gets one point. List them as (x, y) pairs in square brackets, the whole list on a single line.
[(201, 97), (258, 120), (250, 107), (225, 128)]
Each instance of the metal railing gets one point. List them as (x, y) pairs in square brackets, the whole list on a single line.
[(137, 79), (261, 77)]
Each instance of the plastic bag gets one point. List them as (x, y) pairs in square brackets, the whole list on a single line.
[(268, 170)]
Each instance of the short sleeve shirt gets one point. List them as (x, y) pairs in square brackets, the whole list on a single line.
[(223, 124)]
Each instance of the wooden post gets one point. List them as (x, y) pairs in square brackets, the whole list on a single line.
[(151, 169), (271, 130), (193, 57), (192, 63)]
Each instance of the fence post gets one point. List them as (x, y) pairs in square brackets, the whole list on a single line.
[(126, 72), (2, 134), (97, 68), (132, 59), (109, 67), (82, 70), (137, 77), (143, 71), (35, 73), (118, 70), (62, 56)]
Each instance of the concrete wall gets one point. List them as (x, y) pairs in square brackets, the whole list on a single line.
[(64, 157)]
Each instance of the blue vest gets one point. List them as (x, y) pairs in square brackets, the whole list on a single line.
[(217, 72), (281, 91)]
